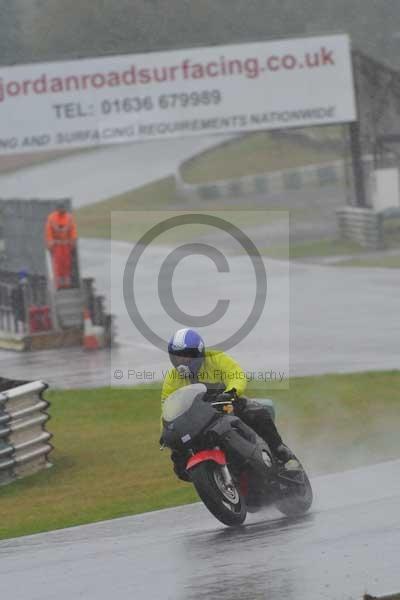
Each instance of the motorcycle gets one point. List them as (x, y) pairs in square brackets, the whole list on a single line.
[(231, 467)]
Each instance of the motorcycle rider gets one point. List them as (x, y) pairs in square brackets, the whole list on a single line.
[(192, 363)]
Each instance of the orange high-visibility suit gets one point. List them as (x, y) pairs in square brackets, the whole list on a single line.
[(61, 238)]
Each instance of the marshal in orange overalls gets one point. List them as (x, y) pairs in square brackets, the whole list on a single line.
[(61, 235)]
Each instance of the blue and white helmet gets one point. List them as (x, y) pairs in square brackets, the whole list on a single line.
[(186, 351)]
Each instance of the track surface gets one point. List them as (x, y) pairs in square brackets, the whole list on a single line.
[(341, 320), (99, 174), (348, 544)]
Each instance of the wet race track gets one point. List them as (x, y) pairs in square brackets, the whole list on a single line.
[(95, 175), (334, 320), (348, 544)]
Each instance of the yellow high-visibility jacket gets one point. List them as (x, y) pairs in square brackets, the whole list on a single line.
[(216, 367)]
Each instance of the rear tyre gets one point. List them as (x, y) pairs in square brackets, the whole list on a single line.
[(297, 498), (225, 503)]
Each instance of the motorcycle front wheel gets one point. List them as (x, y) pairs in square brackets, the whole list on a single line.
[(224, 501)]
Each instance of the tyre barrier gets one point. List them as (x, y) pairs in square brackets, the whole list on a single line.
[(361, 225), (24, 441)]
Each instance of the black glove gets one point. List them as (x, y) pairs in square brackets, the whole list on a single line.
[(227, 395), (224, 397), (239, 403), (179, 460)]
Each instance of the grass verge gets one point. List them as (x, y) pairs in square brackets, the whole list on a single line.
[(94, 220), (382, 262), (260, 152), (15, 162), (150, 204), (357, 255), (313, 249), (107, 463)]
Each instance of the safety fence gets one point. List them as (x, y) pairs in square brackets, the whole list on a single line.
[(24, 441), (34, 317), (95, 303), (24, 304)]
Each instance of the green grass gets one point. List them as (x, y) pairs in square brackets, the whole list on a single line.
[(94, 220), (107, 463), (324, 248), (151, 204), (383, 262), (259, 152), (337, 247), (15, 162), (316, 248)]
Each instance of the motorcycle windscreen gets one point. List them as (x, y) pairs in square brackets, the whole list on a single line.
[(181, 401)]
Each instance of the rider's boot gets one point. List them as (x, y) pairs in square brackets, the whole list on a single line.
[(286, 458), (259, 418)]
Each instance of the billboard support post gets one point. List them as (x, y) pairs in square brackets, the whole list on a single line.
[(358, 171), (355, 140)]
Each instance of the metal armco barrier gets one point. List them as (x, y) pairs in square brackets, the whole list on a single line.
[(389, 597), (24, 441), (310, 176)]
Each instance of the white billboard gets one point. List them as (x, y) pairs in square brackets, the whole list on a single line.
[(198, 91)]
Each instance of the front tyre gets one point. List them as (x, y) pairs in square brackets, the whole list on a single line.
[(224, 502)]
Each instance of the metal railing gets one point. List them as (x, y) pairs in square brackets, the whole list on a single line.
[(9, 309), (24, 441), (17, 297)]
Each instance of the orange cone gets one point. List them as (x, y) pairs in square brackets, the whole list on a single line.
[(90, 340)]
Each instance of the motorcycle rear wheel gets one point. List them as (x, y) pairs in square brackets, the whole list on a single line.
[(226, 504)]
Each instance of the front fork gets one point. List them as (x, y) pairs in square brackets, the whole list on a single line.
[(227, 476)]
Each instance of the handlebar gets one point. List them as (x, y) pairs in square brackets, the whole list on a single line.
[(214, 390), (225, 400)]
